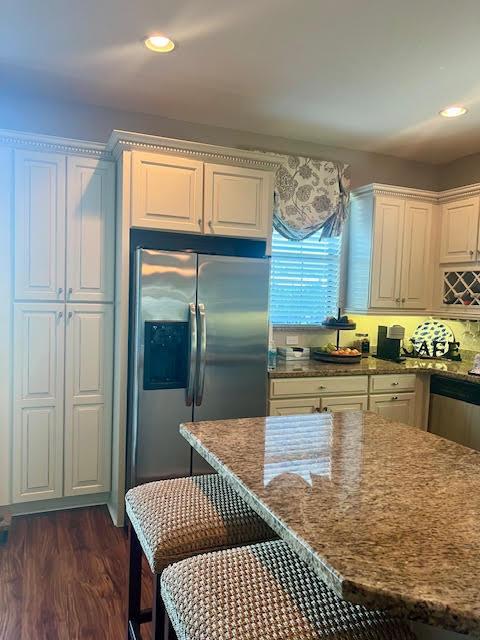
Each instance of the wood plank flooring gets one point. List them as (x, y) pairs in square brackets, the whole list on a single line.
[(63, 577)]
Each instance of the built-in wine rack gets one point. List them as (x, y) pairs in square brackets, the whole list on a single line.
[(461, 288)]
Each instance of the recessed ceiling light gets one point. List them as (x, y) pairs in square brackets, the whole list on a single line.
[(453, 112), (159, 44)]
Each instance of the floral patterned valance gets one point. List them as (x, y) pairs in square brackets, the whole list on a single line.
[(310, 195)]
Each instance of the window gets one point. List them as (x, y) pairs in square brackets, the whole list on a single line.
[(305, 279)]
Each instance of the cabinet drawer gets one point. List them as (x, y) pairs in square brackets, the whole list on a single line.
[(389, 383), (293, 407), (283, 387)]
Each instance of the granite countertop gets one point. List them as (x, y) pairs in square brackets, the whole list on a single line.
[(372, 366), (388, 515)]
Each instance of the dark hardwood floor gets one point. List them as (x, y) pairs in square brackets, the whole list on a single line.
[(63, 577)]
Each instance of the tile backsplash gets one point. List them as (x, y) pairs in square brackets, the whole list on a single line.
[(369, 324)]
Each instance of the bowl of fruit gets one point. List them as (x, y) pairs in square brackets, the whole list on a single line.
[(342, 355)]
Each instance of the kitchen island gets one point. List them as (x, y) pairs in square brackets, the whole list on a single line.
[(386, 514)]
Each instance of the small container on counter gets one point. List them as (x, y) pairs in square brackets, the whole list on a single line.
[(362, 343)]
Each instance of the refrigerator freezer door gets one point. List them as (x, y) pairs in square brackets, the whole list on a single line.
[(232, 296), (165, 310)]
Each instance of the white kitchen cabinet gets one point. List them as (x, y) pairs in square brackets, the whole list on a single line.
[(293, 406), (38, 401), (389, 250), (459, 231), (88, 398), (39, 218), (90, 229), (351, 403), (167, 192), (399, 407), (238, 201), (416, 256)]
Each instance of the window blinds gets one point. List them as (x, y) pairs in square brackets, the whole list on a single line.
[(305, 279)]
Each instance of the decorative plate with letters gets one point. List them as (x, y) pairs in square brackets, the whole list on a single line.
[(431, 338)]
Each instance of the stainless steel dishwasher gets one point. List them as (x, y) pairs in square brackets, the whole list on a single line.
[(455, 410)]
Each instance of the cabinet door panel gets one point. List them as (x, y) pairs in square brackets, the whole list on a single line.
[(90, 229), (238, 201), (39, 226), (387, 253), (399, 407), (293, 407), (353, 403), (167, 192), (459, 231), (416, 260), (88, 398), (38, 401)]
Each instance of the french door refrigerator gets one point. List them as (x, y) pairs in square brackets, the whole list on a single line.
[(199, 352)]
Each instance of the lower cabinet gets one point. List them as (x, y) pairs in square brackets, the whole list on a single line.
[(392, 396), (398, 407), (63, 361), (353, 403), (293, 407)]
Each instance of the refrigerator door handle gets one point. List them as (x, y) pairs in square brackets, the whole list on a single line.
[(192, 316), (203, 354)]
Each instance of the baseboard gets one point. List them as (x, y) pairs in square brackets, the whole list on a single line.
[(57, 504)]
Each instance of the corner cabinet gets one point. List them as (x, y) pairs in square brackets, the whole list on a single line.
[(389, 250), (459, 235), (183, 194)]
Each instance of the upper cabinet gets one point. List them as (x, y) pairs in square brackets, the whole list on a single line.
[(459, 236), (90, 229), (389, 252), (172, 185), (64, 227), (238, 201), (39, 226), (167, 192)]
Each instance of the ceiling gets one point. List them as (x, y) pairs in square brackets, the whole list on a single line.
[(363, 74)]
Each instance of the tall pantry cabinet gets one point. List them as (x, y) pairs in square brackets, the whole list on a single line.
[(63, 216)]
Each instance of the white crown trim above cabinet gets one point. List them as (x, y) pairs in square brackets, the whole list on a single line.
[(88, 398), (39, 226), (90, 251), (38, 401)]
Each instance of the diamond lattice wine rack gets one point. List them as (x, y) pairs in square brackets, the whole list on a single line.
[(461, 288)]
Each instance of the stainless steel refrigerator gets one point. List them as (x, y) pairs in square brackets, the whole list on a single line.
[(198, 352)]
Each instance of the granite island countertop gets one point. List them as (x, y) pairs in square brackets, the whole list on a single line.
[(374, 366), (388, 515)]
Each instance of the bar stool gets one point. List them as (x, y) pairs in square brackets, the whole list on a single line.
[(174, 519), (265, 592)]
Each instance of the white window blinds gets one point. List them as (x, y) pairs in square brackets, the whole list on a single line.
[(305, 279)]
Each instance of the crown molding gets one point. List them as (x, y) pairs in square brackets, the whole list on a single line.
[(468, 191), (127, 141), (378, 189), (21, 140)]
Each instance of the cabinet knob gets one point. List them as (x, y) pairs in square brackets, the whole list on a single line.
[(60, 315), (199, 222), (318, 410), (60, 290), (397, 299), (321, 386), (70, 314), (403, 299), (210, 224), (394, 397), (70, 291), (472, 252), (395, 384)]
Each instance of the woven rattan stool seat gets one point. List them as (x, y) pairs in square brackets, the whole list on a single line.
[(178, 518), (264, 592)]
